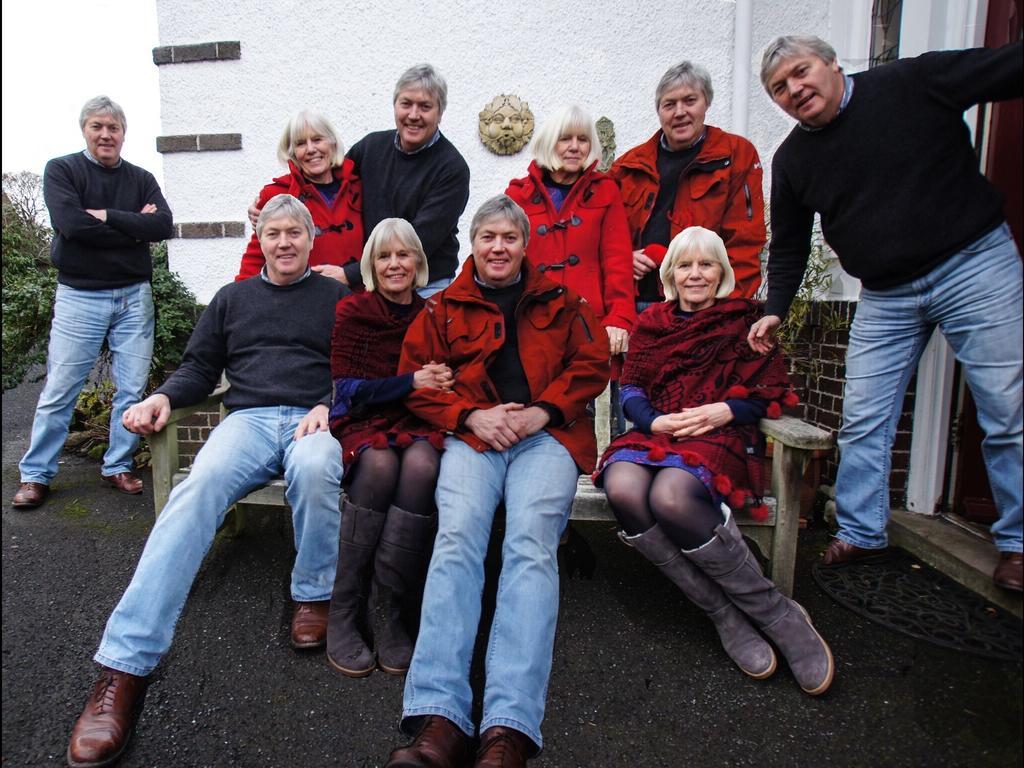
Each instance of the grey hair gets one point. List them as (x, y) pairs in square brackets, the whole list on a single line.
[(573, 119), (281, 206), (501, 207), (704, 242), (308, 122), (790, 46), (386, 232), (102, 105), (685, 73), (424, 77)]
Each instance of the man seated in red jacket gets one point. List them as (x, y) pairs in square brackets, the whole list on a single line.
[(690, 174), (528, 356)]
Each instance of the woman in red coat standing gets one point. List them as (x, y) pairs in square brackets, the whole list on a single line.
[(579, 236), (322, 178)]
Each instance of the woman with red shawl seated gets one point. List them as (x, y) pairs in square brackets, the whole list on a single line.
[(323, 180), (695, 391), (391, 458)]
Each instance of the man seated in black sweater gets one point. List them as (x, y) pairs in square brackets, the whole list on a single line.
[(415, 173), (105, 212), (886, 159), (271, 335)]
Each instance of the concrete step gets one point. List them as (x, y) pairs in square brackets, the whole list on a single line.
[(960, 555)]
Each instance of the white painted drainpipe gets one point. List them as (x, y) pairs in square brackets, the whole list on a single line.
[(743, 26)]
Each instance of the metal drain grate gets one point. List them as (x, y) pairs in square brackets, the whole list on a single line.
[(903, 594)]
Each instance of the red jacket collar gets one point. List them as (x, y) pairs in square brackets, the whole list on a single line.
[(465, 287), (644, 157)]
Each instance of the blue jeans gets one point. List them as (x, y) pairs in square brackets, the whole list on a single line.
[(537, 478), (81, 321), (434, 286), (247, 449), (975, 300)]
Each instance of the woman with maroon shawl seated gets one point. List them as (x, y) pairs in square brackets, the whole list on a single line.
[(388, 517), (695, 391)]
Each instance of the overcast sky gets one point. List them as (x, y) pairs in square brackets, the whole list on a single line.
[(57, 54)]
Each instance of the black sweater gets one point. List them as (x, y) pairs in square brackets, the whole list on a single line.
[(88, 253), (429, 189), (273, 342), (894, 176)]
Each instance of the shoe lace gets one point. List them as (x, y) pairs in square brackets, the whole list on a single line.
[(106, 692)]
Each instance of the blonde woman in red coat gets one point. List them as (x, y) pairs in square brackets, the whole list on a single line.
[(579, 236), (322, 178)]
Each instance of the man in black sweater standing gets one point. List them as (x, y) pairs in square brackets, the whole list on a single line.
[(105, 212), (271, 335), (415, 173), (886, 159)]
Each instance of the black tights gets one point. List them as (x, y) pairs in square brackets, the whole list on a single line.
[(384, 476), (672, 498)]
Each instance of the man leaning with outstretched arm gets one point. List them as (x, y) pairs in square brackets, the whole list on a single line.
[(886, 159), (105, 212), (271, 335)]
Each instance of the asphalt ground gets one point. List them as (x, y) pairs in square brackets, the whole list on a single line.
[(639, 678)]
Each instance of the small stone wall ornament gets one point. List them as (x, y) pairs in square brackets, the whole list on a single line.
[(506, 124), (606, 138)]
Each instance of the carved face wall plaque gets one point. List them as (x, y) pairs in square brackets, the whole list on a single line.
[(606, 136), (506, 124)]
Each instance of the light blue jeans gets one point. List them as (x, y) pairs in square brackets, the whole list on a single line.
[(975, 300), (81, 321), (537, 479), (434, 286), (247, 449)]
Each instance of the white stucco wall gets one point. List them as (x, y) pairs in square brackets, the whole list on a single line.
[(344, 59)]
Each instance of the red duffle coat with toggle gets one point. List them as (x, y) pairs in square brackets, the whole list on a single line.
[(338, 227), (586, 245), (720, 190), (563, 350)]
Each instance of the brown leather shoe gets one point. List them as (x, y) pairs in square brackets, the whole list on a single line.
[(30, 495), (439, 743), (105, 725), (125, 482), (309, 624), (502, 747), (1010, 572), (841, 553)]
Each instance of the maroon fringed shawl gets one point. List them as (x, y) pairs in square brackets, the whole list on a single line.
[(688, 362), (366, 344)]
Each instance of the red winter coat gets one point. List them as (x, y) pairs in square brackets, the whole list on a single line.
[(563, 350), (339, 228), (720, 190), (590, 226)]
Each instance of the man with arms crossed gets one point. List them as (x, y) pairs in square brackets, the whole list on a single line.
[(105, 212)]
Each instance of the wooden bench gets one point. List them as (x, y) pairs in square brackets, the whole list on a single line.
[(795, 443)]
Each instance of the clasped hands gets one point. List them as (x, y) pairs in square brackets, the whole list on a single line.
[(692, 422), (504, 425)]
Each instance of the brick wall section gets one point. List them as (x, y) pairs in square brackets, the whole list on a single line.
[(199, 142), (821, 390), (192, 433), (224, 50), (206, 229)]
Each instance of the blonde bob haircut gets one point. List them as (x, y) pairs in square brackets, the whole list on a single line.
[(387, 231), (702, 242), (308, 123), (566, 121)]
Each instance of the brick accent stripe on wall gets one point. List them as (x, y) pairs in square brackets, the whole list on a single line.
[(199, 142), (206, 229), (225, 50)]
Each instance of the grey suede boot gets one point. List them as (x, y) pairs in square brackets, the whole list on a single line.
[(745, 646), (728, 560), (399, 570), (347, 650)]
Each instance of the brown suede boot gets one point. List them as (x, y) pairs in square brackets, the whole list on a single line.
[(347, 650), (102, 731), (744, 644), (728, 560), (399, 570)]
